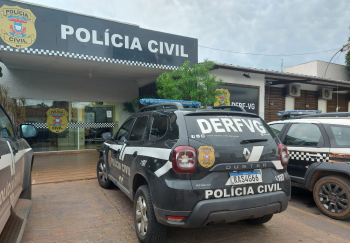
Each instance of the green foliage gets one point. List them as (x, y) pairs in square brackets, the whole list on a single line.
[(347, 61), (189, 83)]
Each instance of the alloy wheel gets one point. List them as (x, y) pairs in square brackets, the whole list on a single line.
[(102, 172), (141, 216), (333, 197)]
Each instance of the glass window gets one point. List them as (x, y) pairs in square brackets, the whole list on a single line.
[(6, 129), (303, 134), (124, 130), (159, 127), (276, 128), (139, 129), (341, 134)]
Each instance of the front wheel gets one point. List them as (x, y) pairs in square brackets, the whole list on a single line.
[(147, 228), (261, 220), (102, 175), (332, 194)]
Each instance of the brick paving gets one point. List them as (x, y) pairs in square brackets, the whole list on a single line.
[(59, 167)]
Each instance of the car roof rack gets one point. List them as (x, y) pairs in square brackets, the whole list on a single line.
[(167, 104), (323, 115), (228, 107)]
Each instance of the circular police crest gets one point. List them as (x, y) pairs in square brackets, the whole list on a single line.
[(17, 26)]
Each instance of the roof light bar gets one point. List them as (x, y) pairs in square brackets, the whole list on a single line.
[(298, 112), (184, 103)]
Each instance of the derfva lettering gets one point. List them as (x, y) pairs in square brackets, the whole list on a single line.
[(121, 41), (229, 125)]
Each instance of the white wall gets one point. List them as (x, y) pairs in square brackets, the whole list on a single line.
[(65, 87), (236, 77), (317, 68)]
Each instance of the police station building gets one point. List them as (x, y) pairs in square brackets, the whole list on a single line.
[(76, 71)]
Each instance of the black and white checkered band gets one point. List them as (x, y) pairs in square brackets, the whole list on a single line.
[(82, 125), (309, 156), (85, 57)]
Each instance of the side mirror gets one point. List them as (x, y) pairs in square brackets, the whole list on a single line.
[(106, 136), (28, 130)]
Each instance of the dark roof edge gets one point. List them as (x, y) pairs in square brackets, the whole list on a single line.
[(276, 73)]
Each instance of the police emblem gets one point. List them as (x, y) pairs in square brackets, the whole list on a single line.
[(223, 97), (17, 26), (57, 120), (206, 157)]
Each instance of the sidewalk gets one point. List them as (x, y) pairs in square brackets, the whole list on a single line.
[(63, 166)]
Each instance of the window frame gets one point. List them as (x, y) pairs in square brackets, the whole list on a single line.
[(320, 143), (150, 128), (144, 132), (12, 125), (332, 139), (132, 125)]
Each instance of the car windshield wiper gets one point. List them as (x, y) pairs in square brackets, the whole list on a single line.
[(253, 140)]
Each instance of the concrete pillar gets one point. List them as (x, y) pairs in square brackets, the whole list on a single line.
[(322, 105), (349, 106), (289, 103)]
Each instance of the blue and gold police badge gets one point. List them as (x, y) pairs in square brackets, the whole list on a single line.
[(17, 26), (206, 157), (57, 120), (223, 98)]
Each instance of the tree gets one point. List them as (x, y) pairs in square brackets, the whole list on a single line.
[(189, 83), (347, 61)]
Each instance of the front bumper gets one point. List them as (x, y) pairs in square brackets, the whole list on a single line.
[(226, 210)]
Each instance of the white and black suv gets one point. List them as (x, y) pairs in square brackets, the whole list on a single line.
[(16, 161), (319, 149), (195, 167)]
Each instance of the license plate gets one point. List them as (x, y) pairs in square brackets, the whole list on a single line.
[(246, 177)]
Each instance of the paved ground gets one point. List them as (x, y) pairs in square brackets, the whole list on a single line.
[(59, 167), (81, 211)]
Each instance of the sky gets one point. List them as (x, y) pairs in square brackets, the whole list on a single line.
[(269, 27)]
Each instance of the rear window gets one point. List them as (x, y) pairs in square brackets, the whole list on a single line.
[(228, 130), (341, 135)]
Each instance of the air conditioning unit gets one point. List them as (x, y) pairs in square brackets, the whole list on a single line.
[(293, 90), (325, 93)]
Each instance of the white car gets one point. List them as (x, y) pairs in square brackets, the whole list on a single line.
[(319, 150)]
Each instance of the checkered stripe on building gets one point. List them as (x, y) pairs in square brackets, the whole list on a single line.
[(309, 156), (85, 57), (81, 125)]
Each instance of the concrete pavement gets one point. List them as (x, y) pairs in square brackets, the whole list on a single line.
[(81, 211)]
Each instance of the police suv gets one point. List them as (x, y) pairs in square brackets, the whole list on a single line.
[(192, 167), (319, 149), (16, 161)]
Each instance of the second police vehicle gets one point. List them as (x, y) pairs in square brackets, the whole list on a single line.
[(192, 167), (319, 149)]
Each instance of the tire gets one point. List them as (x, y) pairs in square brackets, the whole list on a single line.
[(143, 210), (332, 195), (27, 193), (102, 175), (261, 220)]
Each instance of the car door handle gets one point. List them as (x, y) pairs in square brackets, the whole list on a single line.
[(134, 154)]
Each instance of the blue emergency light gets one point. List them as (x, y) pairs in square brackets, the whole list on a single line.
[(184, 103), (298, 112)]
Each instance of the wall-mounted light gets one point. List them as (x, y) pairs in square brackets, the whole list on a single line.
[(271, 103), (246, 74), (90, 74), (307, 106)]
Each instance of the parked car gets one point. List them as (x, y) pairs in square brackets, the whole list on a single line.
[(16, 161), (319, 148), (191, 167)]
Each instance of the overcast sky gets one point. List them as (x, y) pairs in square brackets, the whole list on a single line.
[(269, 27)]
